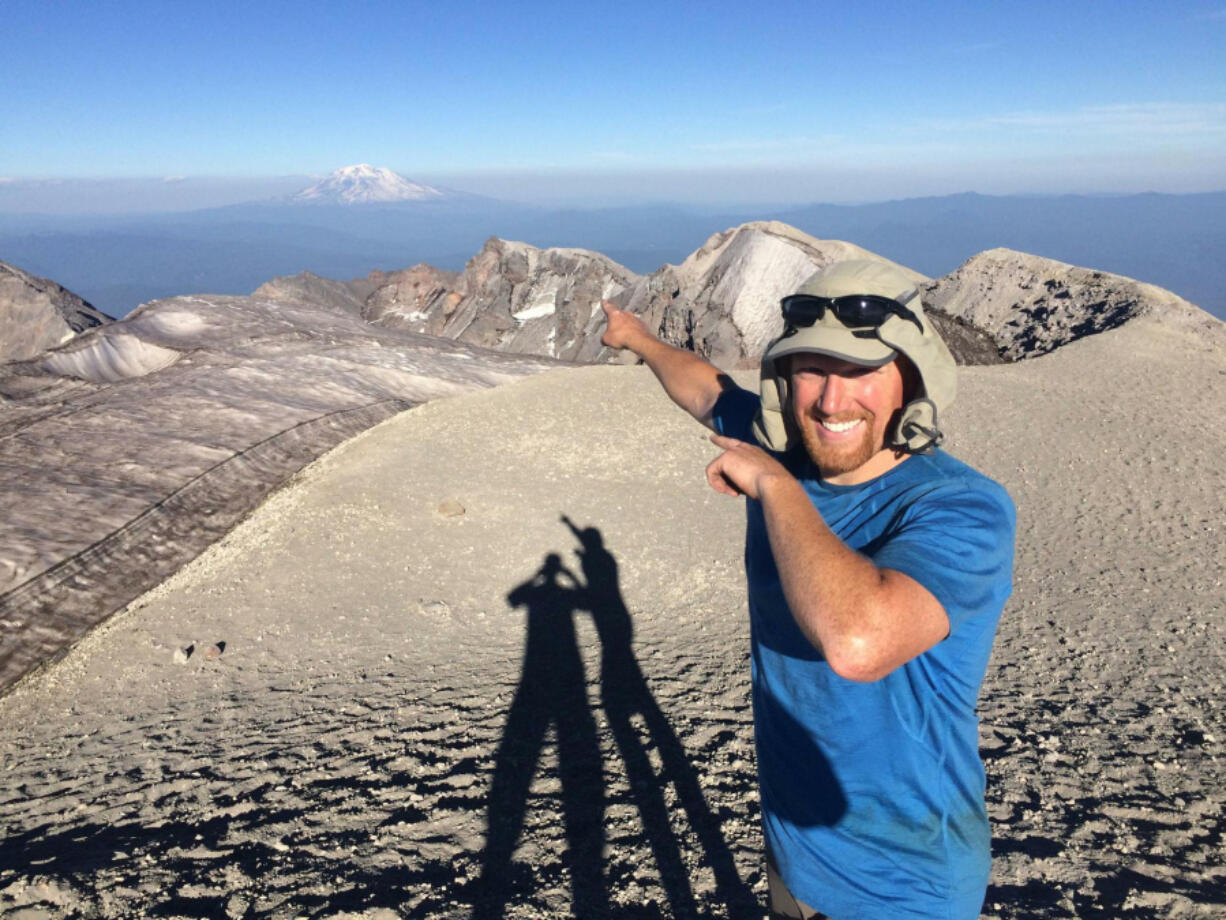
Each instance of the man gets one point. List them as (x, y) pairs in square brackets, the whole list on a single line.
[(877, 567)]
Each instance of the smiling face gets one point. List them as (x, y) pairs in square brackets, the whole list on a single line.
[(843, 412)]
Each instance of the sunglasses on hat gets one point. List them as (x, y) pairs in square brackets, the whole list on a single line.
[(801, 310)]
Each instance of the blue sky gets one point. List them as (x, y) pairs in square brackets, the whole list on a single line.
[(823, 101)]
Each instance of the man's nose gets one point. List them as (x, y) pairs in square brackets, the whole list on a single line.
[(834, 392)]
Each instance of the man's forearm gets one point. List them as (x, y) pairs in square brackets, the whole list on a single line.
[(866, 620), (828, 587), (691, 382)]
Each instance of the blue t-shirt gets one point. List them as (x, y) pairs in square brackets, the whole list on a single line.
[(872, 793)]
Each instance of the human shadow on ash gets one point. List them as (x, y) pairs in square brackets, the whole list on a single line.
[(551, 692)]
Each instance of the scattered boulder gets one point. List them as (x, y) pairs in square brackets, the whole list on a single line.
[(450, 508)]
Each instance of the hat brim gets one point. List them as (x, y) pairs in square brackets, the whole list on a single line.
[(842, 343)]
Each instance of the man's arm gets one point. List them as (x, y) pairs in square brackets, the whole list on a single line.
[(866, 620), (692, 383)]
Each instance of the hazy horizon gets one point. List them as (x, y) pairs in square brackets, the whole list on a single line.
[(714, 189), (559, 104)]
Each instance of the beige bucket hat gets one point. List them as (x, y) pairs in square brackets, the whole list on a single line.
[(917, 430)]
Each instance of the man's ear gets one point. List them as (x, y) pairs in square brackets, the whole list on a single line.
[(912, 383), (785, 399)]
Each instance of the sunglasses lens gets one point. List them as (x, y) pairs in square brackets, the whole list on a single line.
[(860, 312), (803, 310)]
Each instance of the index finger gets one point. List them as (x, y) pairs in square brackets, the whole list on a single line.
[(720, 440)]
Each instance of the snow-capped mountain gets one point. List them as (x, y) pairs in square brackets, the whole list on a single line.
[(363, 184)]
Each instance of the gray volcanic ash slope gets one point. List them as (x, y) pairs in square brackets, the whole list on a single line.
[(339, 759), (130, 449), (37, 314), (114, 444)]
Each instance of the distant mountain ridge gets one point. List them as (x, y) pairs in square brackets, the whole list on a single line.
[(118, 262), (721, 301)]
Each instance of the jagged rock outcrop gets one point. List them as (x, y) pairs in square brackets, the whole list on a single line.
[(518, 298), (37, 314), (723, 300), (511, 297), (421, 299), (967, 343), (1031, 305)]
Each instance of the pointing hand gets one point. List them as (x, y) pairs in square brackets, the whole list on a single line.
[(623, 326), (742, 468)]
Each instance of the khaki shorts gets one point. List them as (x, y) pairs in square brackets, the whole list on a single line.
[(783, 904)]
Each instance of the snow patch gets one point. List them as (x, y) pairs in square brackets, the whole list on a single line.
[(111, 358), (764, 270), (546, 305), (364, 183), (172, 323)]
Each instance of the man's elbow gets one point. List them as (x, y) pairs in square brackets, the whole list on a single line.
[(885, 634), (859, 659)]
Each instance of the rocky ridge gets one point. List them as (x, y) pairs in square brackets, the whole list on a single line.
[(1031, 305), (721, 302), (37, 314)]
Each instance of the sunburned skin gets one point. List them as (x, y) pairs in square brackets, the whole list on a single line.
[(842, 411)]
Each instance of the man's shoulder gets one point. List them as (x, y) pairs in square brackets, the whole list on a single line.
[(734, 412), (939, 474)]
